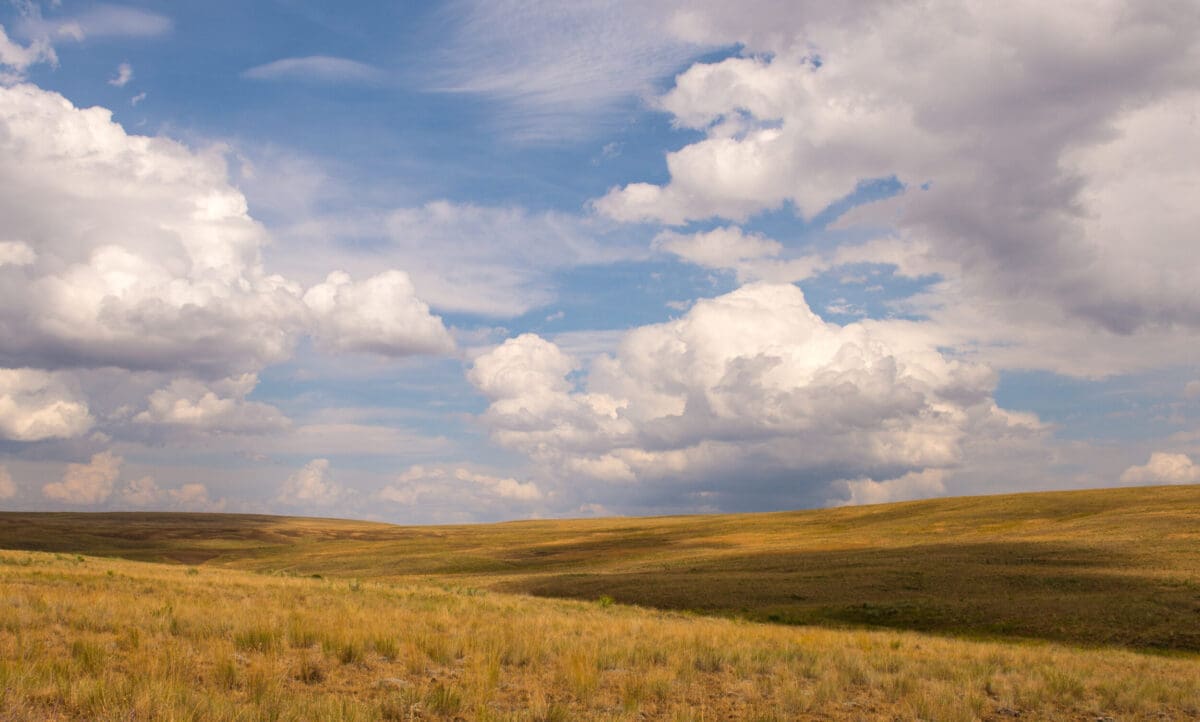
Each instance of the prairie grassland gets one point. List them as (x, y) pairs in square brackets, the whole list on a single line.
[(1106, 567), (84, 638)]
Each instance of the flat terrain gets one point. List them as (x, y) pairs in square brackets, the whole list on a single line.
[(1114, 567)]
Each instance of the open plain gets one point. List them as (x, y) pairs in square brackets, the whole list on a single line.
[(1070, 605)]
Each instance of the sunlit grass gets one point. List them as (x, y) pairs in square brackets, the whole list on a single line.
[(1112, 567), (115, 640)]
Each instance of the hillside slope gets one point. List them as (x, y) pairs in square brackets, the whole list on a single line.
[(1109, 567), (86, 639)]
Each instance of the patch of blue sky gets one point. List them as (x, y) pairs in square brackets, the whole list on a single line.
[(863, 290), (426, 391), (1129, 408), (623, 295), (786, 225), (397, 130)]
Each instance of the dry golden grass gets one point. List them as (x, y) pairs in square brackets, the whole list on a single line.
[(1112, 567), (83, 638)]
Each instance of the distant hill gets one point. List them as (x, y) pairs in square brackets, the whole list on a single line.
[(1104, 567)]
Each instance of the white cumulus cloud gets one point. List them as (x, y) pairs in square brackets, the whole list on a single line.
[(194, 497), (143, 492), (751, 388), (37, 405), (1163, 468), (219, 407), (719, 248), (1054, 188), (913, 485), (86, 484), (448, 492), (146, 256), (310, 486), (381, 315)]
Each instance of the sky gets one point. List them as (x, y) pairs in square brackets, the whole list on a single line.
[(481, 260)]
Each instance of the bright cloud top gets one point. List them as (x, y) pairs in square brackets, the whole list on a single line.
[(311, 485), (37, 405), (1056, 184), (1163, 468), (146, 257), (449, 493), (87, 484), (750, 384)]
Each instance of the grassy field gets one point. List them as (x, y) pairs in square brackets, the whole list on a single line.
[(86, 638), (1115, 567), (1077, 605)]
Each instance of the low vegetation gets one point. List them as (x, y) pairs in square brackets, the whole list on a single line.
[(84, 638), (1114, 567), (1077, 605)]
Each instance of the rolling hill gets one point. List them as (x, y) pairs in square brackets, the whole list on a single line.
[(1114, 567)]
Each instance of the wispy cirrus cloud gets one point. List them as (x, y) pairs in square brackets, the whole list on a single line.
[(100, 21), (559, 71), (316, 69)]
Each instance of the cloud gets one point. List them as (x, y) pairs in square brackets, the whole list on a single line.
[(913, 485), (559, 71), (1163, 468), (86, 484), (99, 22), (494, 261), (123, 76), (1192, 390), (1055, 187), (15, 58), (146, 257), (752, 256), (37, 405), (142, 493), (456, 493), (316, 68), (194, 497), (8, 489), (334, 439), (380, 315), (719, 248), (750, 393), (16, 253), (310, 486), (410, 485), (217, 407)]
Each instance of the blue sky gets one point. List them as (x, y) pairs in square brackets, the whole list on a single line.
[(469, 261)]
